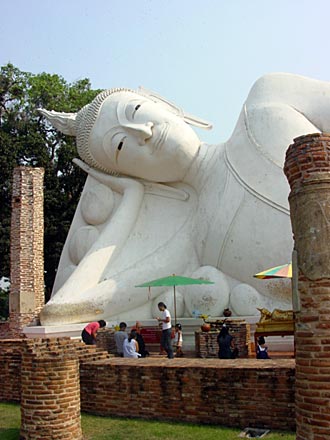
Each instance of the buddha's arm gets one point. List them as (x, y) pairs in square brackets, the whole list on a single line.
[(282, 106), (90, 270)]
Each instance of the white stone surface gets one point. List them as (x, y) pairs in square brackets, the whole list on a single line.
[(54, 331), (207, 299), (179, 205)]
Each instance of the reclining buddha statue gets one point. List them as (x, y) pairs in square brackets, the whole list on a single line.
[(158, 201)]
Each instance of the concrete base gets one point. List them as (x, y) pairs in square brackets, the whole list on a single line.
[(189, 326), (56, 331)]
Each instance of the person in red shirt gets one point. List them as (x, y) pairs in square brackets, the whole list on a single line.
[(88, 335)]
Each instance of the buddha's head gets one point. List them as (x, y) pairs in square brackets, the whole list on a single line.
[(133, 133)]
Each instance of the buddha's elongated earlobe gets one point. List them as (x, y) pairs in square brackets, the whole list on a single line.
[(64, 122), (189, 119)]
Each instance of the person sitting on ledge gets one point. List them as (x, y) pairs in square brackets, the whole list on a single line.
[(88, 335), (262, 349), (142, 346), (226, 343), (120, 337), (130, 346)]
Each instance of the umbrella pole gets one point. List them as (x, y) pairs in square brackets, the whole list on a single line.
[(174, 306)]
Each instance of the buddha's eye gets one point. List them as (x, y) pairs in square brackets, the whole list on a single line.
[(136, 108), (119, 143)]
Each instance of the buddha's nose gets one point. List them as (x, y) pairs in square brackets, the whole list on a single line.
[(142, 131)]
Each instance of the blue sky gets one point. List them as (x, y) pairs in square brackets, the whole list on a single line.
[(202, 54)]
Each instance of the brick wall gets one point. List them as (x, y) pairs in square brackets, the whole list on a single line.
[(50, 392), (26, 297), (307, 168), (106, 340), (306, 158), (238, 393), (206, 343), (11, 352), (10, 366)]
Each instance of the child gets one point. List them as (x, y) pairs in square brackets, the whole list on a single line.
[(262, 349), (177, 342)]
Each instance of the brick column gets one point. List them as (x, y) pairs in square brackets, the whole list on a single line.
[(50, 399), (26, 297), (307, 168)]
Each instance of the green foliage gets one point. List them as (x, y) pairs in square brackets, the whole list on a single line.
[(4, 304), (104, 428), (26, 138)]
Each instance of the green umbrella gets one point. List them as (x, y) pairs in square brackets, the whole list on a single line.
[(174, 280)]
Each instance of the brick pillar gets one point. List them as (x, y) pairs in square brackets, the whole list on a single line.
[(50, 399), (26, 297), (307, 168)]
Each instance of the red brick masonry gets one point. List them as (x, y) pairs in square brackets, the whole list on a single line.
[(237, 393), (307, 168)]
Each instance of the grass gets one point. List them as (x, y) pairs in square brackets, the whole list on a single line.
[(114, 428)]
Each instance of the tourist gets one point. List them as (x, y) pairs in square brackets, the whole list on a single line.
[(130, 346), (142, 346), (226, 343), (165, 319), (262, 349), (120, 336), (88, 335), (178, 340)]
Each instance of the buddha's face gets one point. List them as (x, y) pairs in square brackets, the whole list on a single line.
[(138, 137)]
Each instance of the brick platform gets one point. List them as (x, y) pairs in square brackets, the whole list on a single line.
[(237, 393)]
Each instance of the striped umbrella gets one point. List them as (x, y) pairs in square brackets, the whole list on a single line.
[(283, 271)]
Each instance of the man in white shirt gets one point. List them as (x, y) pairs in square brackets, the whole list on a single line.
[(165, 319)]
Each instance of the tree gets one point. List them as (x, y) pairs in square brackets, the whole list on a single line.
[(26, 138)]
